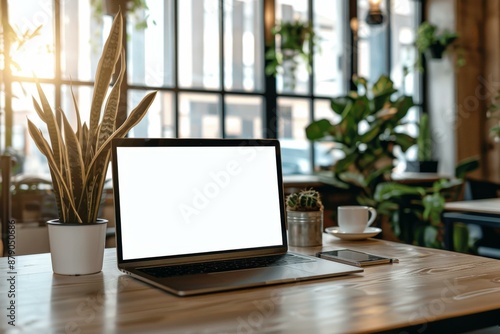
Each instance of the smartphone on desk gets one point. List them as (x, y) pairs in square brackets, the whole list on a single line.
[(356, 258)]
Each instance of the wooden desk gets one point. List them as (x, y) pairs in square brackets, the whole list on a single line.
[(482, 212), (428, 291), (483, 206)]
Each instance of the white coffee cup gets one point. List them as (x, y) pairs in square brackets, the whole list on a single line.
[(354, 218)]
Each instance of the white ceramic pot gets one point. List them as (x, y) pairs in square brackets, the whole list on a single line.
[(77, 249)]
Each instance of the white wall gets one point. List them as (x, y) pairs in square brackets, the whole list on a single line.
[(441, 90)]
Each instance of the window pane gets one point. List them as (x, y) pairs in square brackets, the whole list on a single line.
[(331, 51), (198, 37), (83, 96), (159, 120), (37, 54), (199, 116), (244, 117), (324, 153), (372, 44), (405, 18), (243, 45), (293, 117), (292, 81), (34, 162), (151, 50), (82, 40)]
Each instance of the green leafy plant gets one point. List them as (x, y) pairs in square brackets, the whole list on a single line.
[(304, 200), (425, 162), (434, 43), (78, 158), (296, 39), (415, 211), (367, 133), (424, 139)]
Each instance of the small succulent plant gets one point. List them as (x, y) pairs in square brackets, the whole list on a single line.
[(304, 200)]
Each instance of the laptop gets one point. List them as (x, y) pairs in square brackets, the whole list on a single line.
[(204, 215)]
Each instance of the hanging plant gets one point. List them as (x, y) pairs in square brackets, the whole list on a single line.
[(111, 7), (433, 44), (296, 41)]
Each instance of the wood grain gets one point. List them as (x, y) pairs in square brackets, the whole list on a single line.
[(426, 286)]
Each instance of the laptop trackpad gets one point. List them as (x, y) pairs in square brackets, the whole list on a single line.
[(234, 279)]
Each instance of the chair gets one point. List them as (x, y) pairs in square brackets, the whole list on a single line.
[(489, 237), (480, 189)]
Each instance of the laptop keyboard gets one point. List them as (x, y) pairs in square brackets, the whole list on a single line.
[(226, 265)]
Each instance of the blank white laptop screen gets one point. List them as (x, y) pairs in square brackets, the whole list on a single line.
[(187, 200)]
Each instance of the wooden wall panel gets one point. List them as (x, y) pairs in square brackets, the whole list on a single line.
[(492, 83), (470, 98)]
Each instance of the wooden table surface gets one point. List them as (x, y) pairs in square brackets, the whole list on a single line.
[(417, 177), (426, 287), (486, 206)]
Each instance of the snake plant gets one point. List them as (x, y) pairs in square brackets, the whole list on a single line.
[(78, 157)]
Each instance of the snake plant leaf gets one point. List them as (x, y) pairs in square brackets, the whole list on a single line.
[(38, 109), (61, 189), (108, 124), (74, 171), (105, 70), (84, 135), (135, 117), (64, 154), (75, 164), (52, 126), (78, 118)]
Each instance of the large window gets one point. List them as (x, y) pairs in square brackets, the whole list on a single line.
[(207, 59)]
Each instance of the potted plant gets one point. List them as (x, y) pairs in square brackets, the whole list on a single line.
[(296, 41), (425, 162), (78, 161), (304, 211), (416, 210), (368, 131), (434, 43)]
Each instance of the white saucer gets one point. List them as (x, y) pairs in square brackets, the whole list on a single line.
[(368, 233)]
